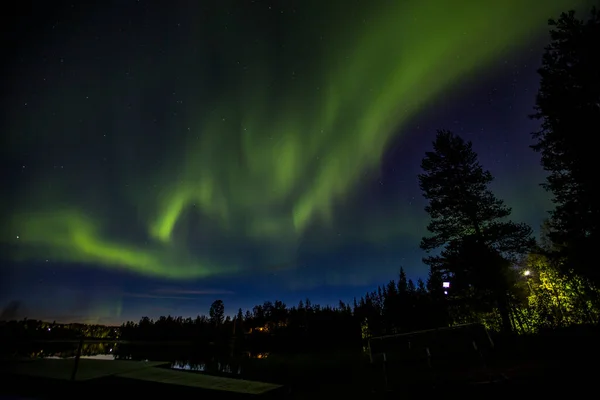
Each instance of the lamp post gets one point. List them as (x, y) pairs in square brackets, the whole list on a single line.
[(527, 274)]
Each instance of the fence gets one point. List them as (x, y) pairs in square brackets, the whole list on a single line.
[(430, 357)]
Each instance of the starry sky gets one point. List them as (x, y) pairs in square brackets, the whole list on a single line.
[(160, 155)]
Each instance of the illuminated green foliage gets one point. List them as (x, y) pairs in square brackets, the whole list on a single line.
[(365, 332), (554, 299)]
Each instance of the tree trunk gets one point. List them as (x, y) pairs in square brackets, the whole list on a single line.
[(524, 321), (504, 310), (515, 312)]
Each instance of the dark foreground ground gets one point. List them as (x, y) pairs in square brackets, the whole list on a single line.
[(546, 379), (542, 365), (53, 378), (21, 387), (110, 387)]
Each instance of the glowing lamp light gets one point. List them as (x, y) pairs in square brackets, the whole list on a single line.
[(446, 285), (445, 292), (527, 272)]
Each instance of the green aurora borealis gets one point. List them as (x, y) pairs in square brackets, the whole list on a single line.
[(276, 137)]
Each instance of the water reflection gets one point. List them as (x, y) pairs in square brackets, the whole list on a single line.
[(218, 367), (62, 350), (106, 357)]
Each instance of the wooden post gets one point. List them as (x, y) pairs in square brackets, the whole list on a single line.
[(233, 339), (385, 377), (484, 366), (430, 365), (77, 357)]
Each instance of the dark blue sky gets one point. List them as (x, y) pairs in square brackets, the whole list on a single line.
[(84, 253)]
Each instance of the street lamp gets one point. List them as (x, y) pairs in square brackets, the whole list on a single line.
[(527, 273)]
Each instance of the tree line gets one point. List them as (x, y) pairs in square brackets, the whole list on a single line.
[(398, 306)]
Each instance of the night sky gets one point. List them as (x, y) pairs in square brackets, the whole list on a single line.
[(160, 155)]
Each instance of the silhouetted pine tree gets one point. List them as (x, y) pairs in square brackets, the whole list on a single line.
[(468, 222), (421, 289), (568, 105), (217, 312)]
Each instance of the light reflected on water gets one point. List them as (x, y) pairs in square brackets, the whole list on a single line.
[(189, 367), (105, 357), (203, 367)]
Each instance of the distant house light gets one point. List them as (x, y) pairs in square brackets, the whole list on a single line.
[(446, 284)]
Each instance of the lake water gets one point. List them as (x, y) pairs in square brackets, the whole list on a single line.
[(202, 359)]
